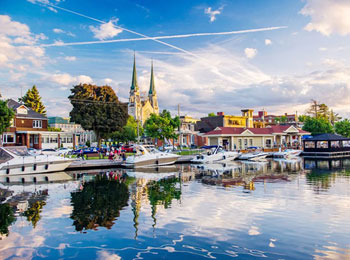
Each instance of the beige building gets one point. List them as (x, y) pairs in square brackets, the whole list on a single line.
[(233, 138), (142, 109)]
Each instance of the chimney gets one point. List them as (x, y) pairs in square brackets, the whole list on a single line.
[(220, 113)]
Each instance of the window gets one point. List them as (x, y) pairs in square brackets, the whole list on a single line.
[(36, 139), (268, 143), (250, 142), (335, 144), (322, 144), (240, 143), (42, 140), (8, 138), (245, 142), (309, 144), (48, 140), (346, 143), (37, 124)]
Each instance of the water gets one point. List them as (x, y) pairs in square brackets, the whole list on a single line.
[(272, 210)]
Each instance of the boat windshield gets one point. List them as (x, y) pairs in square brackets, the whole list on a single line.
[(4, 156), (19, 151)]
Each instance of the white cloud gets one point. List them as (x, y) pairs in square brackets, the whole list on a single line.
[(250, 52), (57, 30), (105, 255), (213, 13), (60, 31), (328, 16), (106, 30), (108, 80), (268, 42), (70, 58), (332, 62), (322, 49), (66, 79)]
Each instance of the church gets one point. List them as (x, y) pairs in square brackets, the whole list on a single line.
[(142, 108)]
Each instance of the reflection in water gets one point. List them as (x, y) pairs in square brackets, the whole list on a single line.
[(194, 211), (6, 218), (99, 202)]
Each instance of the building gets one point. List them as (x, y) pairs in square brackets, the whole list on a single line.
[(263, 119), (81, 136), (29, 128), (187, 135), (327, 146), (209, 123), (233, 138), (141, 109)]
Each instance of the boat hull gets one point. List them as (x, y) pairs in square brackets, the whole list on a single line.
[(33, 168), (152, 162)]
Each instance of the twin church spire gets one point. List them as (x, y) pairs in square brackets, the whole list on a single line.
[(142, 109)]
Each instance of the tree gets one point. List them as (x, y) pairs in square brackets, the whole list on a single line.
[(98, 109), (129, 131), (302, 118), (6, 115), (211, 114), (32, 99), (7, 217), (282, 119), (333, 117), (162, 126), (317, 126), (99, 203), (343, 128)]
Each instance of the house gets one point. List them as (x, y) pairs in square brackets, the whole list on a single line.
[(209, 123), (263, 119), (241, 138), (29, 128), (187, 135)]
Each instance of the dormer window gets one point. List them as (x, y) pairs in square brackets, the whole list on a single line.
[(22, 110), (37, 124)]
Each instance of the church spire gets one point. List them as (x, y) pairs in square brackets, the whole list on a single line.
[(134, 86), (152, 88)]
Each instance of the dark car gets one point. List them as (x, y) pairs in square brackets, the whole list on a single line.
[(87, 150)]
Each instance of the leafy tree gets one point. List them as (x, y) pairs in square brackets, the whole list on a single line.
[(33, 213), (333, 117), (99, 203), (6, 218), (162, 126), (6, 115), (211, 114), (281, 119), (302, 118), (129, 131), (32, 99), (317, 126), (98, 109), (318, 110), (343, 128)]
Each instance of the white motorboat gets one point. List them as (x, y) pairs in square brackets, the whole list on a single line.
[(36, 178), (215, 154), (16, 160), (149, 156), (255, 156), (288, 153)]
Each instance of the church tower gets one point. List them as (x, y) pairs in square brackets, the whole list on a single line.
[(152, 94), (134, 106)]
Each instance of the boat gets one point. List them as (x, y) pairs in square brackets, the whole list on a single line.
[(147, 155), (215, 154), (255, 156), (288, 153), (16, 160), (38, 178)]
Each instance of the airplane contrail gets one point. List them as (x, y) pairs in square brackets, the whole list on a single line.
[(164, 37)]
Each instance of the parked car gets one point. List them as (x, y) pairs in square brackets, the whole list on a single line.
[(49, 151), (87, 150), (128, 148), (64, 151)]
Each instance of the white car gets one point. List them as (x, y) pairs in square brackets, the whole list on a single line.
[(49, 151), (34, 152), (64, 151)]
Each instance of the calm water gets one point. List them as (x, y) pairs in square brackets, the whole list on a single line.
[(272, 210)]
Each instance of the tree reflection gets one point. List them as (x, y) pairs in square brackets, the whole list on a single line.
[(162, 192), (99, 203), (6, 218), (320, 180), (33, 213)]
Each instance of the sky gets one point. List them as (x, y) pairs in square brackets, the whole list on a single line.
[(276, 56)]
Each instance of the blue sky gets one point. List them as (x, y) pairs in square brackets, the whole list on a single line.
[(279, 70)]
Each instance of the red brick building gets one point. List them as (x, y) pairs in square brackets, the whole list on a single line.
[(26, 128)]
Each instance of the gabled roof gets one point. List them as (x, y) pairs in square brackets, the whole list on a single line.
[(278, 129), (327, 137), (31, 113)]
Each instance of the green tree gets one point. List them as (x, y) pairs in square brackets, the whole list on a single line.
[(128, 132), (6, 218), (211, 114), (281, 119), (99, 203), (343, 127), (98, 109), (302, 118), (6, 115), (333, 117), (162, 126), (318, 126), (33, 213), (32, 99)]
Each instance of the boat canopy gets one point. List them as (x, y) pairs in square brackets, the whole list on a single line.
[(18, 150), (4, 156)]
